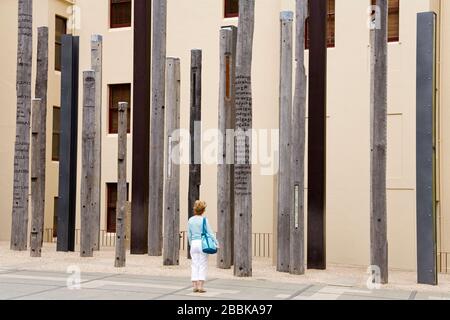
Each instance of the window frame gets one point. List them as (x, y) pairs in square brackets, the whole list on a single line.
[(56, 133), (111, 207), (226, 9), (59, 43), (330, 15), (123, 25), (111, 107)]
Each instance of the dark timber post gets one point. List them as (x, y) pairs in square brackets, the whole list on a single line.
[(378, 143), (19, 226), (297, 222), (243, 149), (37, 222), (426, 152), (155, 220), (285, 119), (37, 177), (121, 215), (68, 144), (171, 254), (317, 134), (96, 65), (195, 161), (141, 126), (225, 170), (88, 181)]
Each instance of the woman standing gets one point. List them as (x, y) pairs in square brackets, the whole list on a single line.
[(199, 258)]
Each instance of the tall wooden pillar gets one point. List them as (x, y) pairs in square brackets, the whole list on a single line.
[(171, 254), (141, 126), (318, 10), (96, 65), (195, 167), (426, 149), (68, 144), (225, 169), (285, 118), (156, 186)]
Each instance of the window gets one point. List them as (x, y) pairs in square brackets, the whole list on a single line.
[(55, 217), (120, 11), (56, 133), (112, 206), (331, 26), (231, 8), (393, 20), (60, 29), (118, 93)]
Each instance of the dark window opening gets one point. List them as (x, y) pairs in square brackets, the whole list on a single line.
[(120, 13), (60, 29), (118, 93), (56, 133), (331, 26), (393, 20), (112, 206), (231, 8)]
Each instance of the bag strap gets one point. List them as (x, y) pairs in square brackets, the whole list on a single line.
[(204, 227)]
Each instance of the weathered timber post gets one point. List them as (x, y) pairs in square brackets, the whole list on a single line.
[(171, 253), (96, 65), (19, 226), (297, 220), (317, 134), (37, 165), (426, 138), (225, 168), (155, 221), (195, 159), (243, 166), (68, 144), (378, 142), (88, 200), (121, 213), (285, 118), (38, 214), (141, 126)]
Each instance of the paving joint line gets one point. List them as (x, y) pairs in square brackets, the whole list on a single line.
[(299, 292), (413, 295)]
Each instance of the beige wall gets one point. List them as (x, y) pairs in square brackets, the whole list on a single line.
[(195, 24)]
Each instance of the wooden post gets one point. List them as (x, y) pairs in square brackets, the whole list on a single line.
[(243, 166), (195, 167), (171, 255), (285, 118), (68, 144), (297, 220), (121, 213), (317, 134), (38, 209), (141, 126), (37, 166), (155, 221), (96, 65), (225, 168), (88, 201), (426, 159), (19, 227), (378, 138)]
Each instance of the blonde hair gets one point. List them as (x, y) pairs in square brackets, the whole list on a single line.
[(199, 207)]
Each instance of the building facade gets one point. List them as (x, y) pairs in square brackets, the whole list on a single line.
[(195, 24)]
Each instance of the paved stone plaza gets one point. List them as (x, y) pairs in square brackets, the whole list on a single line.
[(45, 285)]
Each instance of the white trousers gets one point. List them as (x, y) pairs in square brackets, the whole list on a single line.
[(199, 261)]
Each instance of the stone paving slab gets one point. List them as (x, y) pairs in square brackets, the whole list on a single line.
[(36, 285)]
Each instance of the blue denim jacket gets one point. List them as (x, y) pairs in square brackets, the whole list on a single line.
[(195, 228)]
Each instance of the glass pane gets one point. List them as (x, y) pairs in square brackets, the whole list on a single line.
[(120, 13), (231, 8)]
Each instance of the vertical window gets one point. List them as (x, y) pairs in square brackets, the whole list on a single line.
[(112, 206), (120, 13), (55, 217), (331, 26), (231, 8), (393, 20), (60, 29), (118, 93), (56, 133)]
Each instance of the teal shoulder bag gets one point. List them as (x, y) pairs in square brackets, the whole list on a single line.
[(208, 244)]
